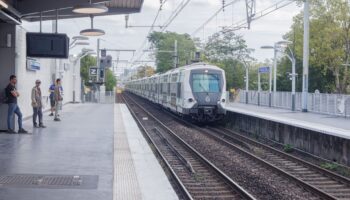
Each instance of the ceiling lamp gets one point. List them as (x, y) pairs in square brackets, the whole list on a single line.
[(92, 31), (90, 8)]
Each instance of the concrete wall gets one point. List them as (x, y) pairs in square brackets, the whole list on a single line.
[(319, 144), (13, 61), (7, 64)]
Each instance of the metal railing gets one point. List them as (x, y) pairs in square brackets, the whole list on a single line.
[(107, 97), (330, 104)]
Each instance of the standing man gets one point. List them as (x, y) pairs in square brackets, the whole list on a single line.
[(37, 105), (12, 95), (58, 98)]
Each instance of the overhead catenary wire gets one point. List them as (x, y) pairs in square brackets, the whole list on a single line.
[(150, 30), (213, 16), (244, 24)]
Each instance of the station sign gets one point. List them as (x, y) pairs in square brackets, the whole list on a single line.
[(93, 71), (264, 70), (33, 64)]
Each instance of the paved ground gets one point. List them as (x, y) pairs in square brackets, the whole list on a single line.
[(337, 126), (81, 144)]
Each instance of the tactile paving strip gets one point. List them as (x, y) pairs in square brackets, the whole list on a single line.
[(49, 181), (126, 185)]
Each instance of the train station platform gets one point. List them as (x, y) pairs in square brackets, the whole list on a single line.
[(95, 153), (326, 124)]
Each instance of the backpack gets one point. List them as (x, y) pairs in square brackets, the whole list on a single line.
[(3, 97)]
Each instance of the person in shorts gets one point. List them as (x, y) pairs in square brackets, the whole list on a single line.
[(52, 98), (58, 96)]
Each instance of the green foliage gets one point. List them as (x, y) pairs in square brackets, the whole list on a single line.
[(90, 61), (165, 42), (330, 166), (329, 46), (111, 81), (229, 51), (288, 148), (85, 64), (223, 46), (145, 71)]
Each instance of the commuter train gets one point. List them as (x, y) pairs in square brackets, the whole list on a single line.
[(197, 91)]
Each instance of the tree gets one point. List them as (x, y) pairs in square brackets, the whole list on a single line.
[(227, 46), (165, 42), (90, 61), (145, 71), (111, 81), (329, 44), (228, 50), (85, 64)]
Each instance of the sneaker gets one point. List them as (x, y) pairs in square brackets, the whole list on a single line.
[(22, 131), (57, 119), (51, 114), (11, 131), (42, 126)]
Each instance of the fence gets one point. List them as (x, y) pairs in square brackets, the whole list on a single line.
[(330, 104), (107, 97)]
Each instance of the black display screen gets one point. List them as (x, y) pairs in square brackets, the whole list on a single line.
[(47, 45)]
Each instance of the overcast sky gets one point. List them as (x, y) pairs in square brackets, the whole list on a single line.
[(264, 31)]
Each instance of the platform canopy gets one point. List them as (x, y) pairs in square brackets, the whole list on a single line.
[(30, 10)]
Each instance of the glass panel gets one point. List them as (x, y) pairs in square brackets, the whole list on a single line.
[(205, 83)]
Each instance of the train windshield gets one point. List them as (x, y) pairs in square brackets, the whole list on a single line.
[(205, 83)]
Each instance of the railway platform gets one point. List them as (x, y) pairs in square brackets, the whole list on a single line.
[(95, 153), (326, 124)]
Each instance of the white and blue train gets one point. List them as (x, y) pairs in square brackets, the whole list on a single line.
[(197, 91)]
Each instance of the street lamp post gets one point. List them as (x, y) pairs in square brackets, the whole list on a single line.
[(246, 78), (291, 57), (277, 48), (85, 52)]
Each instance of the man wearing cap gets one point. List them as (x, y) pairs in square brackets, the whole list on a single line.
[(37, 105)]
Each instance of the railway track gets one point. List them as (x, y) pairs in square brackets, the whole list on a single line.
[(195, 176), (324, 182)]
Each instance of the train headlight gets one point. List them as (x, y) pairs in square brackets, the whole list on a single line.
[(190, 100), (223, 100)]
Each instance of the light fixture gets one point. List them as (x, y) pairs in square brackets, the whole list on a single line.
[(3, 4), (80, 38), (267, 47), (92, 31), (82, 43), (90, 8)]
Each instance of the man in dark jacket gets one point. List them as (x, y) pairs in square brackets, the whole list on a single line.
[(12, 95)]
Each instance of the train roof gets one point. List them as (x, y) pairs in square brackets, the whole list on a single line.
[(191, 67), (183, 68)]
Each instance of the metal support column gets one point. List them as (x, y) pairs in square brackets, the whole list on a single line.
[(259, 87), (306, 56)]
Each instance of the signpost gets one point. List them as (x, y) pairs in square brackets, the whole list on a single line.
[(264, 70), (93, 71)]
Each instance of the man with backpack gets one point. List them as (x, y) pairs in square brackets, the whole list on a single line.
[(13, 108)]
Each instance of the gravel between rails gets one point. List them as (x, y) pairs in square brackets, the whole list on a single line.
[(259, 181)]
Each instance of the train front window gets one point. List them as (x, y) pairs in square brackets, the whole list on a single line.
[(205, 83)]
